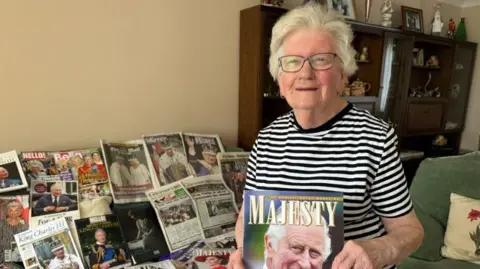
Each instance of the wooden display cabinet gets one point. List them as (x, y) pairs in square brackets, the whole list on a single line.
[(399, 92)]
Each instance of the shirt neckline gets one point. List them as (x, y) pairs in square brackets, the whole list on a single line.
[(327, 125)]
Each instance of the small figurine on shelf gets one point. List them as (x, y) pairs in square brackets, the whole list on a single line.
[(437, 23), (433, 61), (386, 11), (364, 54), (451, 29)]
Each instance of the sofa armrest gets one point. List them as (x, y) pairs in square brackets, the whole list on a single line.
[(433, 239)]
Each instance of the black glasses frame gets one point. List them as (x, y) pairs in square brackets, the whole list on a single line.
[(307, 59)]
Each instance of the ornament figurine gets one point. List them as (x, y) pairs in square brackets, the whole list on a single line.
[(451, 29), (437, 23), (386, 11)]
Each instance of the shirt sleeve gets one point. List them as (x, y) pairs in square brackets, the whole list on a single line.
[(389, 191), (251, 168)]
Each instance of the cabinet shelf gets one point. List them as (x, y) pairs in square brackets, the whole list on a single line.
[(389, 70)]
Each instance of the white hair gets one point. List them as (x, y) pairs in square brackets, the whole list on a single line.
[(276, 232), (314, 16)]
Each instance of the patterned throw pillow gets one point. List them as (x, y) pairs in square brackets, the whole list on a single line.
[(462, 236)]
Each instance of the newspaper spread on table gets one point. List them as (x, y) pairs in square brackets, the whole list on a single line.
[(215, 206), (49, 246), (176, 214), (233, 167)]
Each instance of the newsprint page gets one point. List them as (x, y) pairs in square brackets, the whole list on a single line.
[(215, 205), (49, 246), (177, 215)]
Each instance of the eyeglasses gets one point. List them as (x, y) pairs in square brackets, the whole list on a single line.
[(294, 63)]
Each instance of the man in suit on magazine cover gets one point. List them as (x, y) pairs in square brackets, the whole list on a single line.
[(307, 246), (55, 202), (103, 255), (5, 182)]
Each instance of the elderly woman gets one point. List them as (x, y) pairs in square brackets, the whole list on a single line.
[(327, 144), (11, 224)]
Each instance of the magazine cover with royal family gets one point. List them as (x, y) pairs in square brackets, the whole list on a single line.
[(292, 228)]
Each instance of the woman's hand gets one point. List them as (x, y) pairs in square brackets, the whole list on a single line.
[(236, 260), (356, 255)]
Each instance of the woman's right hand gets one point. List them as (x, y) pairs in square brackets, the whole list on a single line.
[(236, 260)]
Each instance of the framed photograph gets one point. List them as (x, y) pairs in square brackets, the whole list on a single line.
[(345, 7), (412, 19)]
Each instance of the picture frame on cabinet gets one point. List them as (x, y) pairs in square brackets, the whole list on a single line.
[(412, 19), (346, 7)]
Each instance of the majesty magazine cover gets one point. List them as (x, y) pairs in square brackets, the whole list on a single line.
[(279, 226)]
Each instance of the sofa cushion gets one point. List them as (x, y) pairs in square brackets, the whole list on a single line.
[(430, 190), (462, 237), (414, 263)]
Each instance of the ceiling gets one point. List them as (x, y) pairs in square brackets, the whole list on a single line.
[(462, 3)]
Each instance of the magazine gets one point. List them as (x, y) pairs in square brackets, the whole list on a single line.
[(127, 167), (142, 232), (39, 165), (167, 264), (14, 218), (207, 258), (308, 220), (168, 158), (87, 168), (215, 206), (102, 242), (12, 176), (202, 150), (176, 214), (49, 246), (183, 258)]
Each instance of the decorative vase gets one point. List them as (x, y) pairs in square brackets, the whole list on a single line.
[(461, 32), (368, 8)]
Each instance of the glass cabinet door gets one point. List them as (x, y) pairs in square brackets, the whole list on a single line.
[(396, 68), (459, 89)]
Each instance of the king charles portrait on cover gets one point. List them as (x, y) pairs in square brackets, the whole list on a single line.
[(296, 246), (103, 255)]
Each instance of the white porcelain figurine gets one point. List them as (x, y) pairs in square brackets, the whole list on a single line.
[(437, 23), (387, 11)]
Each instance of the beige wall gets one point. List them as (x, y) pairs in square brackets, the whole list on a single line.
[(72, 72), (470, 138)]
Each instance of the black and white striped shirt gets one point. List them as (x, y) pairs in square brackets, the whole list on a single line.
[(354, 153)]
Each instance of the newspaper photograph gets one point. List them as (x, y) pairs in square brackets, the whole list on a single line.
[(234, 173), (12, 176), (177, 215), (14, 218), (215, 205), (142, 232), (102, 242), (49, 246), (168, 157), (202, 150), (53, 199), (127, 168)]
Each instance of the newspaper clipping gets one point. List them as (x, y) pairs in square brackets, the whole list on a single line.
[(127, 167), (49, 246), (202, 152), (52, 200), (234, 173), (177, 215), (168, 157), (14, 218), (215, 204), (11, 172)]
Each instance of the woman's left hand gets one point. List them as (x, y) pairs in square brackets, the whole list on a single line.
[(356, 255)]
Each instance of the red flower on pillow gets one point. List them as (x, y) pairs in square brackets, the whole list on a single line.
[(474, 215)]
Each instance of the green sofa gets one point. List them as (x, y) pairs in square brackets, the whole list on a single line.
[(434, 180)]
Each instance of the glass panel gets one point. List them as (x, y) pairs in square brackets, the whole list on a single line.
[(392, 82), (459, 83)]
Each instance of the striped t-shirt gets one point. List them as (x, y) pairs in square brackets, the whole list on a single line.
[(354, 153)]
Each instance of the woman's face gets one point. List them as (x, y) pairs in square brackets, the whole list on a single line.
[(308, 89), (13, 212)]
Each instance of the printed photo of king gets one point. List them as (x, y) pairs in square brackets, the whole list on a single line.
[(295, 246), (56, 201), (9, 176), (103, 255)]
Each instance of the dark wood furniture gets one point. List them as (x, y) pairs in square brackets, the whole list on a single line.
[(390, 69)]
